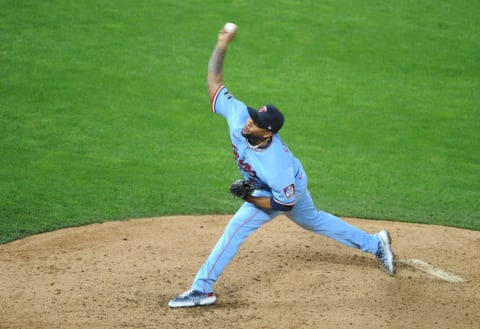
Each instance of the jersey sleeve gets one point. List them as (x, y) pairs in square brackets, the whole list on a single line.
[(225, 104), (284, 189), (285, 173)]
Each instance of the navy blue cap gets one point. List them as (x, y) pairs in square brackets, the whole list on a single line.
[(267, 117)]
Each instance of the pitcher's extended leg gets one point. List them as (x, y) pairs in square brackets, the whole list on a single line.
[(246, 221), (306, 215)]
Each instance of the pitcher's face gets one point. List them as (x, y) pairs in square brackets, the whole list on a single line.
[(251, 130)]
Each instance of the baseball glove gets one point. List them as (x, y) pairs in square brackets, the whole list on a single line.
[(241, 188)]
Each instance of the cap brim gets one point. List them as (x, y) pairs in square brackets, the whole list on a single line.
[(254, 115)]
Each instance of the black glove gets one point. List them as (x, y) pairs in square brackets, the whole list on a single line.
[(242, 188)]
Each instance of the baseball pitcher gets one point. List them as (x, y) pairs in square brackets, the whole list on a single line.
[(274, 182)]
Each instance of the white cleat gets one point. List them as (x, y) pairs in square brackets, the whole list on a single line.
[(192, 298), (385, 253)]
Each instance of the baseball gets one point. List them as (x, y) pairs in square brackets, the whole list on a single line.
[(230, 27)]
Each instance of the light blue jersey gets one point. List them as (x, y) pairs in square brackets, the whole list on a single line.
[(273, 169)]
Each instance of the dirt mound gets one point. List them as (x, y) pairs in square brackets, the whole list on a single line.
[(122, 275)]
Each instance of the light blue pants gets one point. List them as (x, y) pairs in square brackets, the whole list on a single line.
[(249, 218)]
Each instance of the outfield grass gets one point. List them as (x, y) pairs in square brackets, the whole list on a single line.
[(105, 114)]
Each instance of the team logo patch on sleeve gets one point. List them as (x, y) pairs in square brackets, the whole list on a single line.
[(289, 191)]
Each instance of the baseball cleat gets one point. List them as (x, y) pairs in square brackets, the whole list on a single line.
[(192, 298), (385, 253)]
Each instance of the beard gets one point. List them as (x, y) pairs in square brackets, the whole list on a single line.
[(252, 139), (247, 136)]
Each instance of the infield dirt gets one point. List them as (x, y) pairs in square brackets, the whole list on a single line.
[(122, 275)]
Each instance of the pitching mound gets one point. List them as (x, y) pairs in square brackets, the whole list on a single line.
[(122, 275)]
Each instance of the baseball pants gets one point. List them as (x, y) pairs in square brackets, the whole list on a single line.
[(249, 218)]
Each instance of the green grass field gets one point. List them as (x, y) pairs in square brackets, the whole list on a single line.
[(105, 114)]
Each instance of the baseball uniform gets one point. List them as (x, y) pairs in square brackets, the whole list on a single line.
[(279, 175)]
